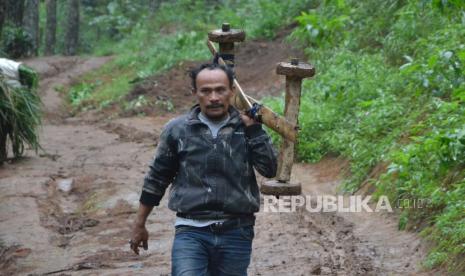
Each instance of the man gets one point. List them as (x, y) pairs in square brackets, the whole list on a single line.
[(208, 155)]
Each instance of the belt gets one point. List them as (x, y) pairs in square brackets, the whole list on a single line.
[(230, 223), (213, 216)]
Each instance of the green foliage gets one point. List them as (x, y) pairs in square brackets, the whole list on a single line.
[(110, 21), (15, 42), (432, 167), (390, 89), (80, 92), (262, 18), (414, 22), (20, 116), (28, 77), (318, 30), (167, 52), (157, 42)]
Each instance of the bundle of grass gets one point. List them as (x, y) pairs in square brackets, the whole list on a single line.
[(28, 77), (20, 114)]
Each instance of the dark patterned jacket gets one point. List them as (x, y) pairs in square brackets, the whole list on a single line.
[(211, 178)]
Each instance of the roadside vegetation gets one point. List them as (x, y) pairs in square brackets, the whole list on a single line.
[(388, 95), (159, 41)]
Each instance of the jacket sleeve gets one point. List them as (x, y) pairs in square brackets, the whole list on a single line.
[(263, 155), (162, 170)]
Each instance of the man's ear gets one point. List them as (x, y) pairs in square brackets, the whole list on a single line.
[(233, 89), (193, 91)]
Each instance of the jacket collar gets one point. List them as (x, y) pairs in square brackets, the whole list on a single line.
[(193, 116)]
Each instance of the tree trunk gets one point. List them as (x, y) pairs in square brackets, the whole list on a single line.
[(2, 16), (31, 23), (51, 27), (14, 12), (72, 28)]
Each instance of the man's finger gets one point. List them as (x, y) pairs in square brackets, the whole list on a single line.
[(134, 247), (145, 244)]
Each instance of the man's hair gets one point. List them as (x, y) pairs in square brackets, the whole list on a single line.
[(211, 66)]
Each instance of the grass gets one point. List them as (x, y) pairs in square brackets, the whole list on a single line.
[(20, 116)]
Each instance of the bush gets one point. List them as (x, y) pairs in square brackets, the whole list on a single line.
[(16, 42), (390, 90)]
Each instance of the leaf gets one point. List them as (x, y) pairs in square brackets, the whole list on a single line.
[(432, 61), (459, 94), (408, 58), (461, 55)]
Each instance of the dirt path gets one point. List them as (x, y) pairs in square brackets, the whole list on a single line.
[(85, 231)]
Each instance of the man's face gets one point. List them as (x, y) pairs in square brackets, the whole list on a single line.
[(213, 93)]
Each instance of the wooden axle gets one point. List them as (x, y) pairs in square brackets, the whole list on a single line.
[(294, 72)]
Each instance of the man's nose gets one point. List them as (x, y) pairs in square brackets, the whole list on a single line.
[(214, 97)]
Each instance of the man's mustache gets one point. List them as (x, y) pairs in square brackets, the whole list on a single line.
[(215, 105)]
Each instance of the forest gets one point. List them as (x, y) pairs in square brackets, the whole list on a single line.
[(386, 107)]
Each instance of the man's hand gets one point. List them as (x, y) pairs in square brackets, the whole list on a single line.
[(139, 238), (247, 120)]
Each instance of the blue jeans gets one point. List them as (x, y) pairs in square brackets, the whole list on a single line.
[(199, 251)]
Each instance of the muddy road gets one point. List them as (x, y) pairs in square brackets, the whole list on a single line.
[(68, 210)]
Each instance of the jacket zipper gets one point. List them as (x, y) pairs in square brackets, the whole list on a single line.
[(215, 153), (214, 141)]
